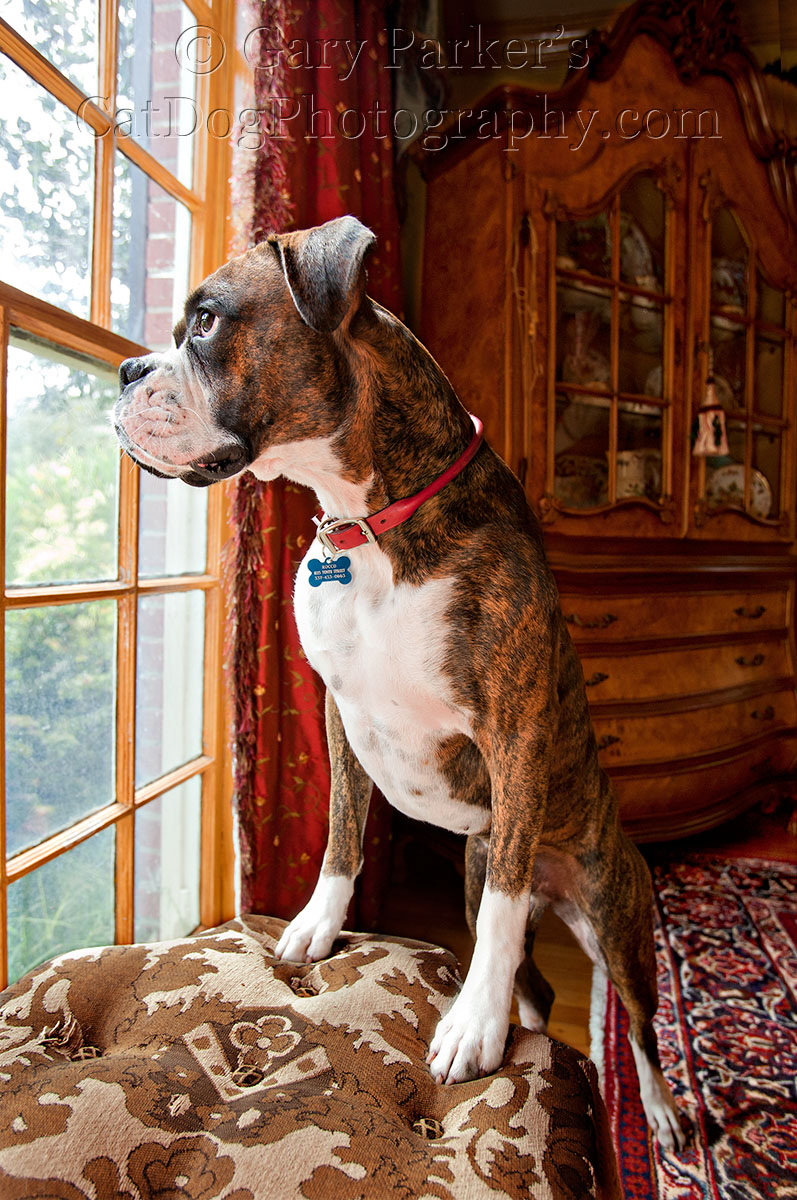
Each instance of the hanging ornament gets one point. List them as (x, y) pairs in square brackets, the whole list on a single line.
[(709, 436)]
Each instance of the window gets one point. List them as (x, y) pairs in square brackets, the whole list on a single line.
[(115, 796)]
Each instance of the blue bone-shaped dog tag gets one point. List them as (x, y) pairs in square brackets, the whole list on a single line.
[(330, 570)]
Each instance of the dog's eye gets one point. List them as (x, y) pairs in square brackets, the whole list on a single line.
[(205, 323)]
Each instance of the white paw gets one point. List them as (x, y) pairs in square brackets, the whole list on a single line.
[(657, 1100), (310, 934), (665, 1123), (305, 940), (468, 1042)]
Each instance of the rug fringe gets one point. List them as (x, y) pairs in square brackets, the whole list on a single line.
[(597, 1022)]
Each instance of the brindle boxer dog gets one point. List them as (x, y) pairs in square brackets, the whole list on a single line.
[(451, 678)]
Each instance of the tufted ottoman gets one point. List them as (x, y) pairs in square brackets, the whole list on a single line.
[(204, 1068)]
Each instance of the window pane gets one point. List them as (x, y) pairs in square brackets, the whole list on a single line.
[(583, 337), (160, 55), (151, 244), (584, 245), (65, 33), (765, 481), (581, 448), (167, 864), (642, 224), (66, 904), (641, 332), (172, 527), (725, 475), (171, 643), (60, 717), (769, 376), (769, 303), (729, 256), (729, 342), (639, 442), (63, 467), (46, 202)]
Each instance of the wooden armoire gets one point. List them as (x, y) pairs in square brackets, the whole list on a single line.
[(587, 295)]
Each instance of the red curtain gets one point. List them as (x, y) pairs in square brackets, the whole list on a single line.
[(327, 153)]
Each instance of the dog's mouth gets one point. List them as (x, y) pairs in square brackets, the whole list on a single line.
[(222, 464)]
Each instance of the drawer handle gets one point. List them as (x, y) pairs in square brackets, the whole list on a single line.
[(763, 715), (755, 661), (607, 740), (752, 613), (599, 622), (598, 677)]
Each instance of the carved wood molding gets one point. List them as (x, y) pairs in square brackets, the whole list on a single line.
[(704, 37)]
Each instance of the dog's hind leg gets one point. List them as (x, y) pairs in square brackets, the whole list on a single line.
[(612, 917), (533, 992)]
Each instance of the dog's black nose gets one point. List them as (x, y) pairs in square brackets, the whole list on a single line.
[(132, 369)]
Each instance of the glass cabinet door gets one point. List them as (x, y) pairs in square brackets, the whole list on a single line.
[(746, 345), (610, 392)]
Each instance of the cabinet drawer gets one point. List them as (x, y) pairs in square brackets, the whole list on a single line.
[(684, 671), (664, 737), (663, 805), (617, 618)]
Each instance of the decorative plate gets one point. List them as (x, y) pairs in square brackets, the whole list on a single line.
[(636, 257), (725, 485)]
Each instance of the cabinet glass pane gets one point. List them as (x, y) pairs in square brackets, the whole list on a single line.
[(584, 246), (725, 474), (768, 376), (770, 303), (151, 246), (583, 338), (729, 257), (65, 33), (47, 168), (639, 442), (63, 467), (640, 356), (765, 482), (66, 904), (169, 682), (728, 341), (60, 717), (172, 527), (581, 448), (167, 864), (642, 228)]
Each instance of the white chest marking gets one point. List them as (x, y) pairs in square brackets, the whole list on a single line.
[(380, 649)]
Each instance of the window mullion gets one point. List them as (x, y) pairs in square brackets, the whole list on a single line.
[(103, 179), (3, 877), (127, 617), (214, 739)]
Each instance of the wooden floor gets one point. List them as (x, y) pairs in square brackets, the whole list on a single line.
[(426, 901)]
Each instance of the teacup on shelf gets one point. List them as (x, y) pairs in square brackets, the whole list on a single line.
[(638, 473)]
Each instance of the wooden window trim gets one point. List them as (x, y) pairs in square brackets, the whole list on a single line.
[(208, 202)]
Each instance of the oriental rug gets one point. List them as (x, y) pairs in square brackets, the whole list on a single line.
[(726, 945)]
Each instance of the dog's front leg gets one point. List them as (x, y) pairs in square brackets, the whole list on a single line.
[(471, 1037), (310, 935)]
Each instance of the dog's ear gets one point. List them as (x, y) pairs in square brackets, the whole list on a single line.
[(323, 268)]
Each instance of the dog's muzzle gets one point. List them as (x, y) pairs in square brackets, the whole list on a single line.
[(229, 458)]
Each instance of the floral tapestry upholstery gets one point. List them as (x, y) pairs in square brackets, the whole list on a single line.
[(206, 1068)]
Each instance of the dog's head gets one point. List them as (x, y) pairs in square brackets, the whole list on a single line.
[(257, 364)]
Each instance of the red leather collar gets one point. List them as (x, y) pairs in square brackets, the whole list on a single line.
[(346, 533)]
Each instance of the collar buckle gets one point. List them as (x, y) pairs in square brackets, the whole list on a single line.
[(330, 525)]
